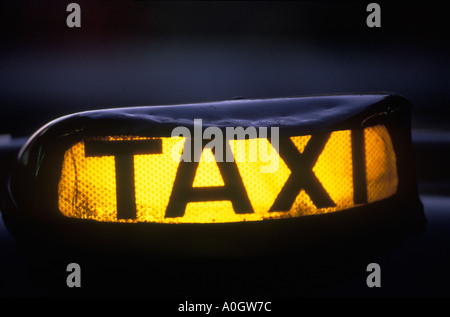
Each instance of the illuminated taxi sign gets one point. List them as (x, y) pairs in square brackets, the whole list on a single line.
[(110, 186), (136, 179)]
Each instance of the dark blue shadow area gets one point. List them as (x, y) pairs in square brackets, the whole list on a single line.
[(152, 53)]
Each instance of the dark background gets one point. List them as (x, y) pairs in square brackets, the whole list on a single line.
[(131, 53)]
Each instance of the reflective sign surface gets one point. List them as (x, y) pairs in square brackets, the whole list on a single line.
[(140, 179)]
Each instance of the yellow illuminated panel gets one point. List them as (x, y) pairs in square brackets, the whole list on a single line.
[(207, 173), (381, 165), (88, 186)]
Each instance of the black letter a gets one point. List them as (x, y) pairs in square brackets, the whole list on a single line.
[(183, 192)]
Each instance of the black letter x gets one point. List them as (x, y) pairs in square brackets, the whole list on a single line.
[(302, 175)]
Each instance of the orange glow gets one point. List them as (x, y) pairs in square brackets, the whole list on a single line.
[(87, 188)]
